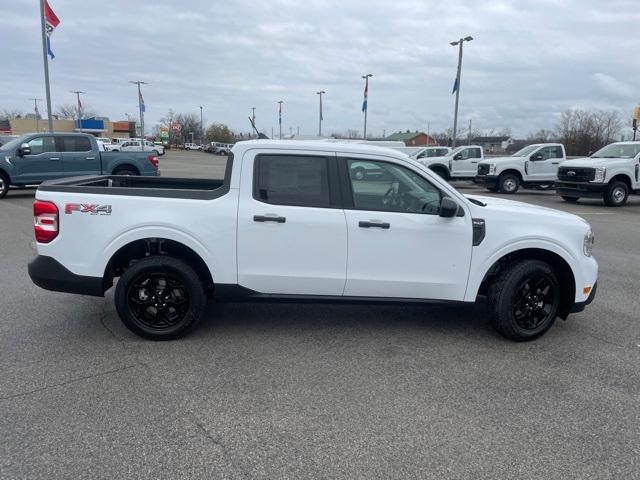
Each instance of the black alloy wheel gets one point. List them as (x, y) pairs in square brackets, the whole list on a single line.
[(535, 300)]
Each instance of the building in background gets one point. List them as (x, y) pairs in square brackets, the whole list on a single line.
[(99, 127), (412, 139), (497, 144)]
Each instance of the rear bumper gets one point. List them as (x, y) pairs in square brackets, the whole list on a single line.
[(48, 273), (487, 180), (583, 190), (580, 306)]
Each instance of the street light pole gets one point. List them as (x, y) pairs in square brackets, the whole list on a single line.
[(457, 85), (280, 102), (201, 127), (78, 92), (320, 116), (365, 102), (141, 106), (35, 107)]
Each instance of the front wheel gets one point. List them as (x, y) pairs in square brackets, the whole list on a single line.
[(160, 298), (508, 183), (125, 172), (524, 300), (4, 185), (616, 194)]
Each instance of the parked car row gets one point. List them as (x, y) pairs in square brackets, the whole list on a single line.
[(219, 148), (612, 173)]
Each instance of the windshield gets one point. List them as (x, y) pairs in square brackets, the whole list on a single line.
[(618, 150), (525, 151), (13, 144)]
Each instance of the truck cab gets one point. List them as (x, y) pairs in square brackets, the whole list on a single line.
[(459, 164), (610, 174), (534, 166)]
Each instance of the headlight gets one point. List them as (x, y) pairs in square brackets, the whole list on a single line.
[(601, 172), (588, 243), (492, 169)]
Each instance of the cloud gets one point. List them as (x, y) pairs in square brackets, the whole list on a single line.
[(529, 60)]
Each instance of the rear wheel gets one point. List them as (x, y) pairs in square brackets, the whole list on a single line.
[(160, 298), (570, 199), (508, 183), (358, 173), (4, 185), (524, 300), (616, 195)]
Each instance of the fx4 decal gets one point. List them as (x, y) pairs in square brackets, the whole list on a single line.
[(90, 208)]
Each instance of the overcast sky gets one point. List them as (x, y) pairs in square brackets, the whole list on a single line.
[(530, 60)]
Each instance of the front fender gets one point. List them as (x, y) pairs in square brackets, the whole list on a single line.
[(480, 267)]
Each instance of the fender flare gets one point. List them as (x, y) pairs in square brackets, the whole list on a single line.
[(442, 166), (479, 272)]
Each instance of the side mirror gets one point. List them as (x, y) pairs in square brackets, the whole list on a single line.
[(537, 156), (458, 156), (448, 207), (24, 149)]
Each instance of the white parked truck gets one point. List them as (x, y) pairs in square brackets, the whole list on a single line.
[(534, 166), (612, 173), (461, 163), (290, 222)]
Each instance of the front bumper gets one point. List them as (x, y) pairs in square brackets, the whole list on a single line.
[(579, 189), (580, 306), (487, 180), (48, 273)]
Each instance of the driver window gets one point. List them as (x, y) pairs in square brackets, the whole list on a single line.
[(463, 154), (42, 144), (384, 186)]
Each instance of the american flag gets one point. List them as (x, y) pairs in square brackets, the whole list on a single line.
[(51, 21), (366, 94)]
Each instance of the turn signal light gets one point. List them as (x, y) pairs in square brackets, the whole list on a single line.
[(45, 221), (586, 290)]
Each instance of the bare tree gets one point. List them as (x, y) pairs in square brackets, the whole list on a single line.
[(541, 136), (353, 133), (11, 113), (583, 132), (70, 112), (189, 122)]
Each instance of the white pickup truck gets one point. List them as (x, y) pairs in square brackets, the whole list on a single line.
[(612, 173), (461, 163), (290, 222), (535, 166)]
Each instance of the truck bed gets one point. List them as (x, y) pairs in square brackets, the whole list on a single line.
[(194, 188)]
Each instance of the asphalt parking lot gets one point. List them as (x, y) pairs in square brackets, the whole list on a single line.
[(319, 391)]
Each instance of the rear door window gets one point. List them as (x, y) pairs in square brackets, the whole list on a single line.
[(76, 144), (295, 180)]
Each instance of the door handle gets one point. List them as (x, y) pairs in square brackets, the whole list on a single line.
[(91, 158), (384, 225), (269, 218), (54, 158), (472, 161), (555, 163)]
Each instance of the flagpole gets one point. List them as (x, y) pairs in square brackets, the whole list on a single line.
[(46, 66), (280, 102), (457, 85), (320, 113), (366, 101), (140, 108)]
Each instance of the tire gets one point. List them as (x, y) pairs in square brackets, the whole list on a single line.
[(544, 187), (508, 183), (516, 314), (570, 199), (442, 173), (4, 185), (616, 194), (154, 313), (126, 172)]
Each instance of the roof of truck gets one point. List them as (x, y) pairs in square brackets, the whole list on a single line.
[(332, 146)]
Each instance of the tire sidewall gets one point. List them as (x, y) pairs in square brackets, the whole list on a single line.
[(4, 185), (177, 269), (503, 180), (615, 188)]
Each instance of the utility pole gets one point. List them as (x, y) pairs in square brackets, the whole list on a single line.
[(364, 103), (35, 107), (46, 66), (428, 131), (280, 102), (141, 106), (78, 92), (469, 132), (456, 86), (201, 127), (320, 116)]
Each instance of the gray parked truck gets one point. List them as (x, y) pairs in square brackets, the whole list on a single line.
[(34, 158)]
